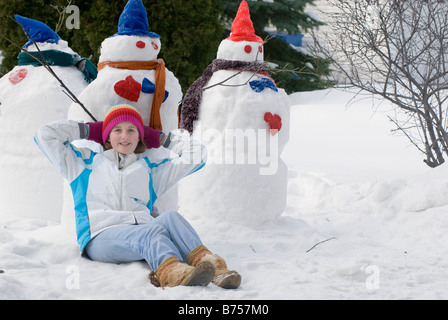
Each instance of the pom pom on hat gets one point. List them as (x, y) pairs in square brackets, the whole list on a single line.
[(242, 27), (122, 113), (37, 30), (134, 21)]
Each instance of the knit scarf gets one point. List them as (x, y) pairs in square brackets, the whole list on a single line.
[(158, 65), (61, 59), (193, 97)]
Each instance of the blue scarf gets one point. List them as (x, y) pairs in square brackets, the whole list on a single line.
[(62, 59)]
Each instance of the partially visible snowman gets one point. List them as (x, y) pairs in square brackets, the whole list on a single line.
[(238, 112), (31, 97), (130, 73)]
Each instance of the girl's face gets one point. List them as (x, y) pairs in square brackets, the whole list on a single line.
[(124, 138)]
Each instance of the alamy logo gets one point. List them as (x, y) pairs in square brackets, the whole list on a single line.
[(73, 20), (73, 278), (241, 147), (373, 280), (373, 17)]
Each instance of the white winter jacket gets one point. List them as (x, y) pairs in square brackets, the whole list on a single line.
[(105, 195)]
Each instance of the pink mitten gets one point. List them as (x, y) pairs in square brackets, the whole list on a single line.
[(152, 138), (95, 132)]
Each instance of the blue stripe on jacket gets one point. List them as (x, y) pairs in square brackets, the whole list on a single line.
[(79, 189)]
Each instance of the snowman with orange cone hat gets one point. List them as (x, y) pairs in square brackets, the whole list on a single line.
[(242, 117)]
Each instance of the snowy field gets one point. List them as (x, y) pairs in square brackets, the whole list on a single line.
[(351, 182)]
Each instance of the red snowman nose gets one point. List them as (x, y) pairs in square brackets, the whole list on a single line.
[(141, 45)]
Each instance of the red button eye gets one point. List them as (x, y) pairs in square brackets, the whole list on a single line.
[(260, 49), (248, 49), (141, 45), (155, 46)]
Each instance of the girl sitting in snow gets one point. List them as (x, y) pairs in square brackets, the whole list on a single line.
[(115, 190)]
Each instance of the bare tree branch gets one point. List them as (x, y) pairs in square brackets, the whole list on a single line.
[(397, 50)]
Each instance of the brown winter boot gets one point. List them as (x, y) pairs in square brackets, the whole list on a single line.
[(224, 278), (172, 273)]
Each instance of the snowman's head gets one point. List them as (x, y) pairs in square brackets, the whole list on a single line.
[(130, 48), (241, 51), (62, 45), (242, 44), (134, 41)]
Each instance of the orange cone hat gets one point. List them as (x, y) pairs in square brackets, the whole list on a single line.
[(242, 27)]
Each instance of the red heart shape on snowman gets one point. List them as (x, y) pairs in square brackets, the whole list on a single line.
[(17, 76), (128, 89), (274, 122)]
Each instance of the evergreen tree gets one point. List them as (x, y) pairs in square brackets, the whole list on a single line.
[(296, 71), (190, 30)]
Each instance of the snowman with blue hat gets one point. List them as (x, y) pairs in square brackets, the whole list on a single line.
[(29, 98), (129, 72)]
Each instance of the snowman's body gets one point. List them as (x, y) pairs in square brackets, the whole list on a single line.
[(245, 179), (31, 97)]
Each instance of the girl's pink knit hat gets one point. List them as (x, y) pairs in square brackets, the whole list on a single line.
[(122, 113)]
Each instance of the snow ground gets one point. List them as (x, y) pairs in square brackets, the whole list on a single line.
[(352, 183)]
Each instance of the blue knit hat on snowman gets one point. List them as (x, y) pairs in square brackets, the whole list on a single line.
[(37, 30), (134, 21)]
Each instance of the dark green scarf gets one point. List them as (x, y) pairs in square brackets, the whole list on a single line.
[(62, 59)]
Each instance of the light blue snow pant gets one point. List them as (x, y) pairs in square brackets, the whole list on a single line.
[(166, 236)]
